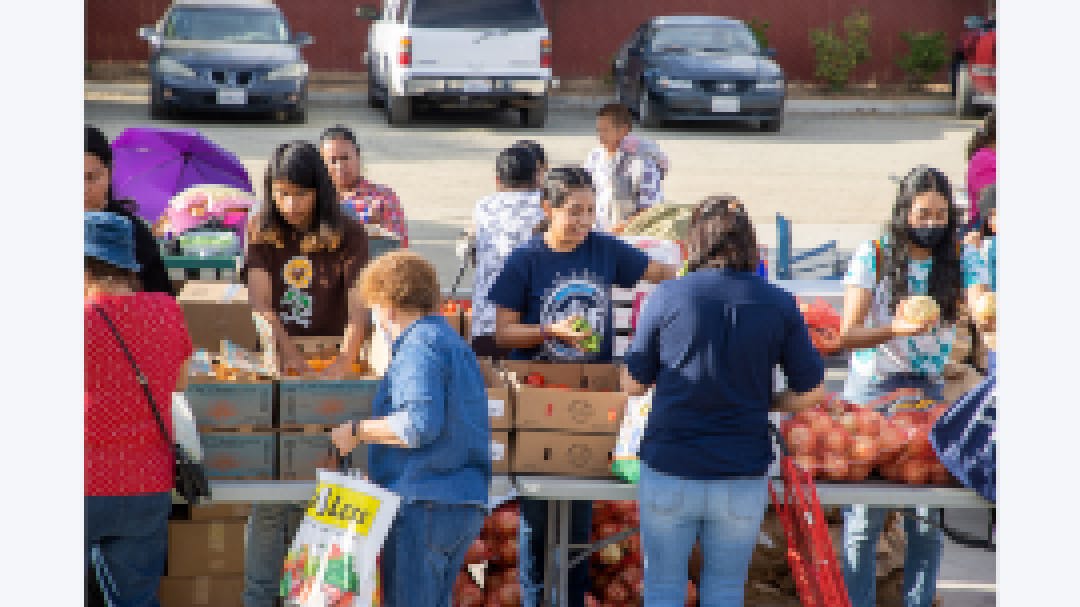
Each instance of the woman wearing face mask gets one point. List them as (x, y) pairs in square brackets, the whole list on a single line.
[(303, 258), (918, 255), (554, 279), (429, 435), (98, 196)]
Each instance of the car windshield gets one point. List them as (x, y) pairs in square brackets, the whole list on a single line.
[(476, 13), (227, 25), (704, 39)]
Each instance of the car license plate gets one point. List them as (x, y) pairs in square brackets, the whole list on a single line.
[(725, 105), (231, 97), (477, 86)]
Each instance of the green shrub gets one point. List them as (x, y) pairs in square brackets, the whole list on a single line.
[(927, 55), (759, 28), (838, 57)]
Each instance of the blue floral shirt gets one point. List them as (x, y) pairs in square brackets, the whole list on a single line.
[(925, 354)]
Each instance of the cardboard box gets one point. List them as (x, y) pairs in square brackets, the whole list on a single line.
[(223, 404), (215, 311), (202, 591), (239, 455), (325, 403), (500, 452), (563, 454), (206, 547), (217, 512), (301, 454), (500, 396), (598, 409)]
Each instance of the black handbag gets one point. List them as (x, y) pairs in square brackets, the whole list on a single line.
[(190, 480)]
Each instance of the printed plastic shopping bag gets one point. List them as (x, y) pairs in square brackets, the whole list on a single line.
[(332, 560), (625, 462)]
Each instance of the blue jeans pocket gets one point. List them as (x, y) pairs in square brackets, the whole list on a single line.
[(746, 499), (665, 498)]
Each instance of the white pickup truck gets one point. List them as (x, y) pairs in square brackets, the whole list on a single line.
[(493, 54)]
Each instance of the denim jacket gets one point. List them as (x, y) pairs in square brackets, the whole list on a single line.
[(433, 396)]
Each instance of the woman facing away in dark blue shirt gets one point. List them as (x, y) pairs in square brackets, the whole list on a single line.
[(708, 343)]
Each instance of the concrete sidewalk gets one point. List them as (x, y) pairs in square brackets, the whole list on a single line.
[(136, 92)]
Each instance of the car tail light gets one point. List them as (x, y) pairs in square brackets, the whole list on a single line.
[(405, 56), (545, 53)]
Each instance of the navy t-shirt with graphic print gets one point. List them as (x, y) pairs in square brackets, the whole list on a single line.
[(547, 286)]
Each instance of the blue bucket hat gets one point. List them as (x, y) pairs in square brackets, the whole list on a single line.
[(109, 238)]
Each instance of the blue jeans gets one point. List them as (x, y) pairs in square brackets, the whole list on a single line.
[(532, 551), (675, 512), (270, 530), (863, 524), (126, 537), (424, 552)]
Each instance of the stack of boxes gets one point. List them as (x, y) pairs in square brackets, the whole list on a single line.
[(567, 426), (206, 558)]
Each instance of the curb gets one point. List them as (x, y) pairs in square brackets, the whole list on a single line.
[(135, 92)]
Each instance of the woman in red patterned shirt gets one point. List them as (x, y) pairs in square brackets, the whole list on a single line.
[(128, 470)]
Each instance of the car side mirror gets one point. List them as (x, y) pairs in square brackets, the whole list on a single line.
[(367, 12), (304, 39), (769, 52), (149, 34)]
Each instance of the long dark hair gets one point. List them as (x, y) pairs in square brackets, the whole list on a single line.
[(985, 135), (299, 163), (96, 143), (946, 282), (721, 236)]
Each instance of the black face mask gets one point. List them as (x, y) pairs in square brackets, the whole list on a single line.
[(927, 238)]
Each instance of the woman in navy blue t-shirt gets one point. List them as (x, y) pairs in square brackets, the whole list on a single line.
[(562, 275), (708, 343)]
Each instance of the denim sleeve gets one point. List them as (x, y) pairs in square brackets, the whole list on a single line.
[(642, 358), (417, 394)]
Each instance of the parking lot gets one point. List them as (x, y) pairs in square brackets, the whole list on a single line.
[(829, 174)]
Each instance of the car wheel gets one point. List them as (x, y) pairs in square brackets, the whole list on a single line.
[(373, 99), (536, 116), (647, 111), (398, 110), (158, 109), (773, 125), (964, 106)]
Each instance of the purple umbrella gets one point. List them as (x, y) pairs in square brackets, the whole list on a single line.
[(150, 166)]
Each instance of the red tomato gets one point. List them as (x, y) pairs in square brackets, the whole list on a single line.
[(868, 422), (820, 423), (848, 421), (535, 379), (616, 592)]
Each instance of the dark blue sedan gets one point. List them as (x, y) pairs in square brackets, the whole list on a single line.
[(699, 68), (234, 56)]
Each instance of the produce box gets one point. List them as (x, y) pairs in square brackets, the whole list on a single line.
[(215, 311), (324, 403), (302, 453), (566, 397), (500, 396), (239, 455), (217, 403), (563, 454), (500, 452), (202, 591), (199, 548), (215, 512), (458, 314)]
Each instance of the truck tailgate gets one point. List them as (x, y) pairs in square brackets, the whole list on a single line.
[(465, 52)]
